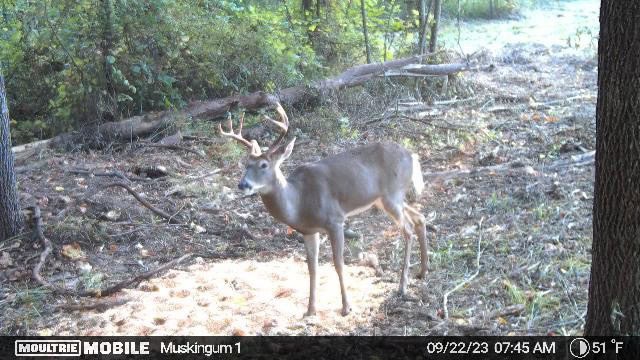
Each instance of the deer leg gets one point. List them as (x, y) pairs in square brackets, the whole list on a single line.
[(337, 246), (395, 210), (312, 245), (419, 227)]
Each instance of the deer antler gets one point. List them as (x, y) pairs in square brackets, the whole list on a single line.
[(251, 145), (283, 124)]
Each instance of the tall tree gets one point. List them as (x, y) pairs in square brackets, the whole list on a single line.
[(437, 11), (106, 18), (424, 11), (367, 47), (614, 290), (10, 215)]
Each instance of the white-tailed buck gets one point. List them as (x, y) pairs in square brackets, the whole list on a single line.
[(317, 197)]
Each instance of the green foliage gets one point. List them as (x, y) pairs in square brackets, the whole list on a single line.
[(482, 9), (70, 63)]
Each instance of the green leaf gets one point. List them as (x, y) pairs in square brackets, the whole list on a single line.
[(110, 59), (124, 98)]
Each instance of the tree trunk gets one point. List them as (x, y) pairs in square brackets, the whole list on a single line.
[(111, 112), (437, 10), (614, 289), (367, 47), (424, 11), (424, 24), (10, 214)]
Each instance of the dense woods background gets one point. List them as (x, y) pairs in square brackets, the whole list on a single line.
[(71, 63)]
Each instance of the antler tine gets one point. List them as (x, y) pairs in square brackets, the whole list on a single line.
[(283, 125), (241, 122), (233, 135)]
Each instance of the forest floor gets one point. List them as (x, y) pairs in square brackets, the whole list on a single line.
[(532, 111)]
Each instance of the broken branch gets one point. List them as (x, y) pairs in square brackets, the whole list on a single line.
[(175, 147), (145, 203), (137, 279), (576, 160), (39, 234), (93, 173)]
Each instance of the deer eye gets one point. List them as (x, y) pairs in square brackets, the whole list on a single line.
[(263, 165)]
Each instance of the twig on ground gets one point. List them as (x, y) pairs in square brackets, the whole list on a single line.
[(446, 125), (146, 204), (100, 305), (137, 279), (39, 234), (174, 147), (198, 138), (467, 280), (455, 101), (539, 106), (576, 160), (516, 309), (94, 173)]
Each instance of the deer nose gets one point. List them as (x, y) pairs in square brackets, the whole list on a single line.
[(244, 185)]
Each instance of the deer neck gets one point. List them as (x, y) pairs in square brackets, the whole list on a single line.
[(281, 199)]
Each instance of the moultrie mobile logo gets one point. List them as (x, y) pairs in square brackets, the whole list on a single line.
[(77, 347), (47, 348)]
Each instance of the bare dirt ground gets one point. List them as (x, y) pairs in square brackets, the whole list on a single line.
[(531, 221)]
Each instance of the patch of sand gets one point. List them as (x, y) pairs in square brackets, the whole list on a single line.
[(238, 298)]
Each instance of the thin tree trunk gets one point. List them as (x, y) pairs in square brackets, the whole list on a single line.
[(614, 289), (389, 11), (10, 215), (422, 38), (107, 60), (363, 11), (424, 25), (437, 10)]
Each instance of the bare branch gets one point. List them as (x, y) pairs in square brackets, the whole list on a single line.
[(174, 147), (146, 204)]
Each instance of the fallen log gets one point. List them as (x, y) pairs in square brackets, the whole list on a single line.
[(138, 126), (428, 69)]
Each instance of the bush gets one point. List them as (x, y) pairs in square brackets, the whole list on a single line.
[(481, 9), (69, 63)]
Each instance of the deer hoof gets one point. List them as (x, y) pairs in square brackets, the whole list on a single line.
[(346, 310), (310, 313)]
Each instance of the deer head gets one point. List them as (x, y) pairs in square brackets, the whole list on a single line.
[(262, 169)]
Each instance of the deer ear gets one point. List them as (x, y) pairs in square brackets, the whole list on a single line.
[(284, 152)]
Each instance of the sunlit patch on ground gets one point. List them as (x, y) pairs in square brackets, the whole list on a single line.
[(237, 297)]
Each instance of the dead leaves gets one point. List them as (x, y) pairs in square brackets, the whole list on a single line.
[(540, 118), (73, 251)]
